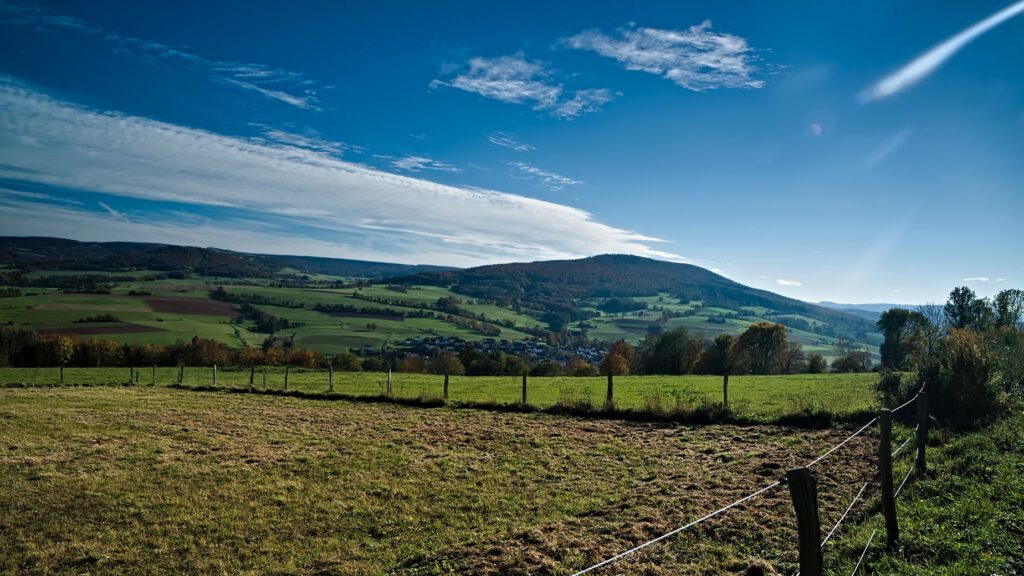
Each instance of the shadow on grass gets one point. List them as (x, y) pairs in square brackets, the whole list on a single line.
[(702, 413)]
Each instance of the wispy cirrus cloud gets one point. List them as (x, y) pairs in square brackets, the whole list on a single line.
[(419, 164), (924, 65), (984, 279), (509, 141), (545, 178), (113, 213), (53, 145), (515, 80), (790, 283), (290, 87), (697, 58), (277, 136)]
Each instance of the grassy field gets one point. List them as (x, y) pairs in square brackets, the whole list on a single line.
[(120, 480), (756, 397), (141, 322)]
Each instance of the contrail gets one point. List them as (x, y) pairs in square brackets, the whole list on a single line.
[(928, 62)]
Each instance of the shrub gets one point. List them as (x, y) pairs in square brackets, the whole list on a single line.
[(962, 389)]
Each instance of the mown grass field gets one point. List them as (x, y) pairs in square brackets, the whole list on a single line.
[(756, 397), (118, 480)]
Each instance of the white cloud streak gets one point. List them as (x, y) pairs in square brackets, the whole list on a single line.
[(783, 282), (549, 180), (292, 88), (418, 164), (924, 65), (114, 213), (508, 141), (697, 58), (984, 279), (515, 80), (76, 148)]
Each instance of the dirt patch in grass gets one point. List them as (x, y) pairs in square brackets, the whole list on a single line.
[(187, 305), (172, 481)]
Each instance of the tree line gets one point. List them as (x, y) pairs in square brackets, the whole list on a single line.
[(763, 348), (970, 352)]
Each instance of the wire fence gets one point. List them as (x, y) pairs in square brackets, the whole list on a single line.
[(811, 555)]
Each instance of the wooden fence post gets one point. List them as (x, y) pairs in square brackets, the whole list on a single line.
[(524, 387), (446, 386), (214, 374), (131, 374), (286, 368), (264, 377), (389, 383), (922, 431), (725, 388), (62, 374), (154, 376), (611, 386), (892, 527), (137, 373), (252, 375), (803, 489), (330, 377), (181, 374)]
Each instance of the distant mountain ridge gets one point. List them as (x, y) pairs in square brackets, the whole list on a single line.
[(871, 311), (551, 286), (59, 253)]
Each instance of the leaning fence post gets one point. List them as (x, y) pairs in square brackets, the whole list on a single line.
[(892, 527), (725, 388), (804, 491), (524, 387), (611, 386), (446, 386), (922, 430)]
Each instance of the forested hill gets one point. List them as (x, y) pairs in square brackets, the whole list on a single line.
[(553, 285), (61, 254)]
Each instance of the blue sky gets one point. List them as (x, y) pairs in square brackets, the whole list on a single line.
[(823, 150)]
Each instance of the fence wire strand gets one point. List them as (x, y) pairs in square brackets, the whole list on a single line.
[(843, 517), (904, 405), (865, 552), (904, 445), (678, 530), (905, 478), (840, 445)]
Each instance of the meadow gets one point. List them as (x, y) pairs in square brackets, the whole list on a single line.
[(117, 480), (759, 398)]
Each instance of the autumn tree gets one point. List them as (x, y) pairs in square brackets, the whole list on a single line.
[(763, 347), (619, 358)]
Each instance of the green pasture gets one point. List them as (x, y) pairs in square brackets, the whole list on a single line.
[(758, 397)]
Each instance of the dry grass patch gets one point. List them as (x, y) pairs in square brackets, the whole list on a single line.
[(150, 480)]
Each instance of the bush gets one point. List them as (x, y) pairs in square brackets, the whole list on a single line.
[(963, 390), (893, 388)]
